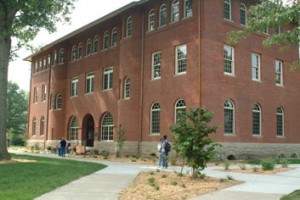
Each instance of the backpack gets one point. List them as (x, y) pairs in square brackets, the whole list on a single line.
[(168, 147)]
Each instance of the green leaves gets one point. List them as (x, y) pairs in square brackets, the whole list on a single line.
[(191, 138)]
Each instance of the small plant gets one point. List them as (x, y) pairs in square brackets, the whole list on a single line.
[(268, 164), (223, 180), (105, 154), (226, 165), (151, 173), (230, 178), (183, 185), (284, 163), (202, 176), (152, 181), (164, 176), (243, 167), (255, 169), (174, 183)]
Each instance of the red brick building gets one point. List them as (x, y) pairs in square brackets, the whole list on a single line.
[(138, 66)]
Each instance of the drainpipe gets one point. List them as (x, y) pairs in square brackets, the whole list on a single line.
[(199, 50), (142, 85), (48, 104)]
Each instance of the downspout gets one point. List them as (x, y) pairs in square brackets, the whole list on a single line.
[(142, 85), (199, 50), (48, 105)]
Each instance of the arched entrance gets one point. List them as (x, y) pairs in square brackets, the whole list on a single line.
[(90, 131)]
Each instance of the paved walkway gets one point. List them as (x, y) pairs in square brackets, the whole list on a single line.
[(106, 184)]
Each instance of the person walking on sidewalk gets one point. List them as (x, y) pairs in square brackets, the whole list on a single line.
[(165, 152)]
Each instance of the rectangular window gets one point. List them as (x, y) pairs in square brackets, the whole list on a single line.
[(89, 85), (180, 59), (44, 92), (188, 11), (74, 87), (227, 9), (228, 60), (35, 94), (278, 72), (156, 65), (108, 78), (255, 67)]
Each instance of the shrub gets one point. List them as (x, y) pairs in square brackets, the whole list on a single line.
[(268, 164), (243, 167), (284, 162)]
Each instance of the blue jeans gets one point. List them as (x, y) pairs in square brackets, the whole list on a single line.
[(165, 159), (160, 159)]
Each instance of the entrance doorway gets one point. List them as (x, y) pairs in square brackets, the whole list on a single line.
[(90, 132)]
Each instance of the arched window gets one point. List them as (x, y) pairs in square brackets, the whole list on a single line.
[(73, 135), (34, 126), (151, 20), (243, 14), (58, 102), (155, 118), (129, 27), (42, 125), (279, 122), (73, 54), (79, 53), (175, 11), (105, 40), (188, 8), (95, 44), (88, 47), (61, 56), (127, 88), (107, 127), (227, 9), (256, 120), (180, 107), (228, 117), (114, 35), (163, 15)]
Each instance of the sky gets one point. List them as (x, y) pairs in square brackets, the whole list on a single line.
[(85, 11)]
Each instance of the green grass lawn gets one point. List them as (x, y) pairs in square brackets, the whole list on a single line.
[(22, 181), (293, 196)]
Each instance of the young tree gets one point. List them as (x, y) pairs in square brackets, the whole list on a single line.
[(272, 14), (191, 138), (23, 19), (17, 113)]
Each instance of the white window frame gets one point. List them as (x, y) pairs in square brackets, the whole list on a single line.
[(127, 88), (114, 35), (44, 93), (151, 20), (156, 65), (256, 109), (129, 27), (74, 86), (227, 3), (229, 105), (243, 14), (108, 127), (280, 113), (155, 109), (95, 44), (163, 15), (175, 11), (74, 127), (89, 83), (180, 62), (188, 8), (228, 60), (255, 67), (180, 105), (105, 40), (108, 78), (279, 72), (88, 50)]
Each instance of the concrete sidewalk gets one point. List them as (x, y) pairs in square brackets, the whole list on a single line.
[(106, 184)]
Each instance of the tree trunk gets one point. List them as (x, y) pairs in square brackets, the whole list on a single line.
[(5, 46)]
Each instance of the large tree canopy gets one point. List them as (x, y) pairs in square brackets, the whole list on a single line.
[(272, 14), (23, 19)]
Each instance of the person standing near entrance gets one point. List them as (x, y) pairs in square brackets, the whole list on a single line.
[(62, 147)]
